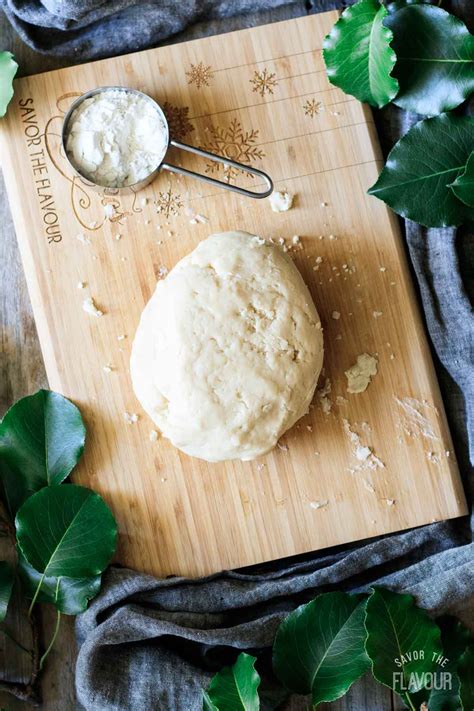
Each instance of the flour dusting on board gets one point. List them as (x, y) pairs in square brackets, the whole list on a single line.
[(414, 419)]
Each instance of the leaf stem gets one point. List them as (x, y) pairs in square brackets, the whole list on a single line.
[(410, 702), (30, 610), (53, 639)]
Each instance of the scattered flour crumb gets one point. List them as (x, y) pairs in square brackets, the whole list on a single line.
[(359, 375), (283, 447), (260, 467), (90, 307), (108, 368), (83, 239), (162, 271), (377, 314), (383, 269), (281, 201), (322, 397), (318, 504), (296, 239), (130, 418), (336, 315), (153, 436), (109, 210), (118, 237), (81, 285), (93, 225), (324, 204), (390, 502), (362, 453), (369, 486), (433, 457), (144, 201), (197, 219)]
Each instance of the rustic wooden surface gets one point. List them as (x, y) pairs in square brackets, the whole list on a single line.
[(22, 372), (320, 144)]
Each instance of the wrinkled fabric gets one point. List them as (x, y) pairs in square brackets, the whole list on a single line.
[(154, 644), (98, 28)]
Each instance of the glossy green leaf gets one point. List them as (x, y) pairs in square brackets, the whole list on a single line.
[(466, 678), (463, 186), (421, 166), (435, 59), (67, 531), (319, 648), (8, 69), (70, 595), (396, 5), (358, 55), (454, 639), (401, 641), (41, 439), (234, 688), (7, 578)]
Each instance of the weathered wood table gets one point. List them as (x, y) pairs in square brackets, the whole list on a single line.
[(22, 373)]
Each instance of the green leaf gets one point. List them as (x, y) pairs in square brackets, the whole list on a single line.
[(8, 69), (420, 167), (319, 648), (41, 439), (7, 577), (466, 678), (396, 5), (463, 186), (401, 641), (234, 688), (70, 595), (455, 637), (66, 530), (358, 55), (435, 59)]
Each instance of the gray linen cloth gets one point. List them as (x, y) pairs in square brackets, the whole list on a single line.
[(153, 644)]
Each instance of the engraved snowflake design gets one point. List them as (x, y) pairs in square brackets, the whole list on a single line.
[(168, 203), (233, 142), (200, 75), (178, 121), (312, 108), (264, 82)]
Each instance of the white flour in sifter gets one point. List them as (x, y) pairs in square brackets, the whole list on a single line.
[(116, 138)]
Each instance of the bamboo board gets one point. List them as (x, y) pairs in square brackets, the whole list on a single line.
[(260, 96)]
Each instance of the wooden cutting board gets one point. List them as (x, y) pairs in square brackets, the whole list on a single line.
[(261, 96)]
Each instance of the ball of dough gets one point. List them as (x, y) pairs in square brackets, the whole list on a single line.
[(229, 349)]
